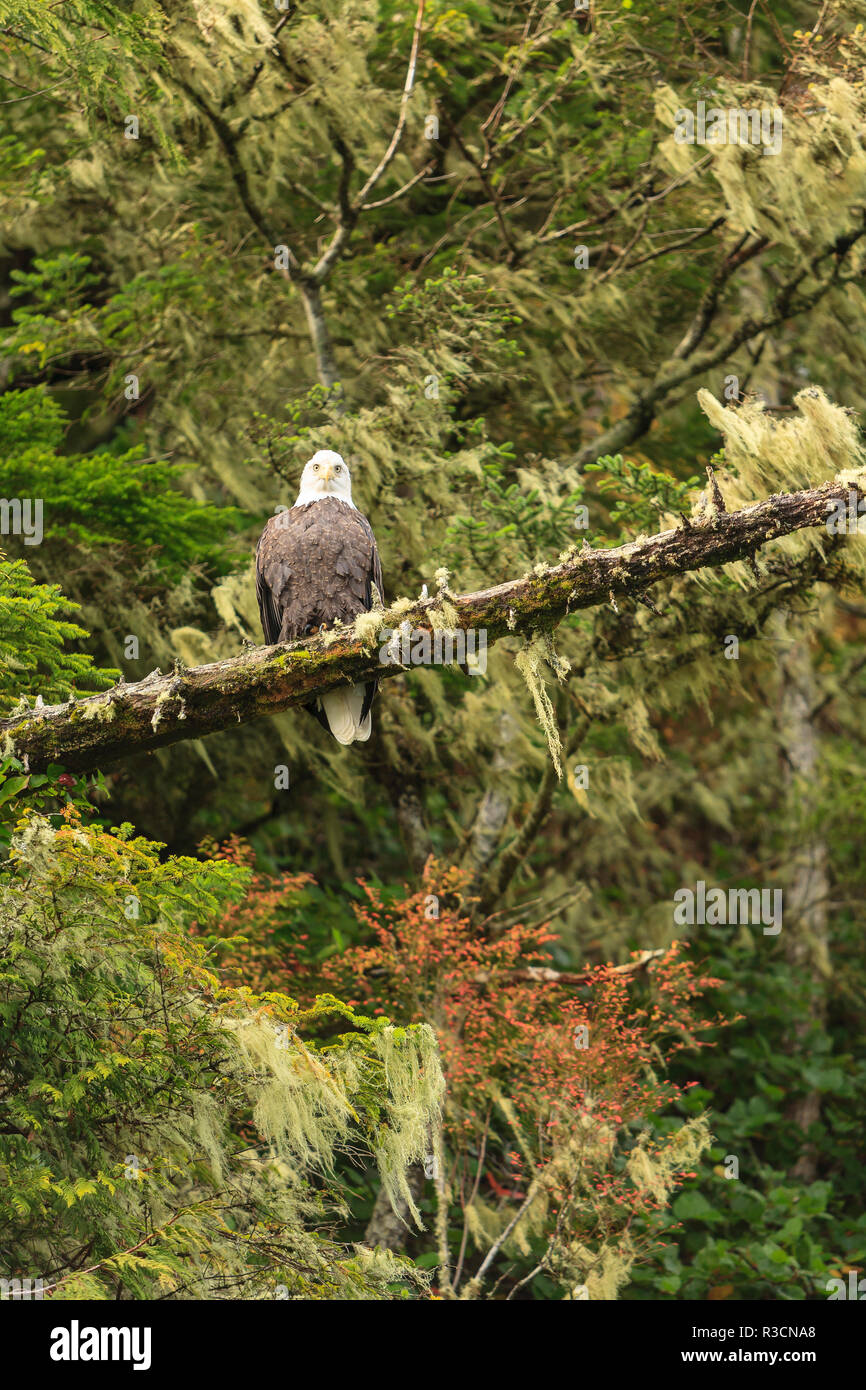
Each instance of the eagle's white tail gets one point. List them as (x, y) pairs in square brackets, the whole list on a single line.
[(343, 713)]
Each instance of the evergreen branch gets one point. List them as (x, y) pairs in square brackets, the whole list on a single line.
[(742, 252), (232, 98), (161, 710), (492, 886), (677, 245), (348, 213), (395, 197), (492, 196), (80, 1273), (635, 198), (24, 38)]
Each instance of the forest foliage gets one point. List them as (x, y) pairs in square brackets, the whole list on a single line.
[(319, 1040)]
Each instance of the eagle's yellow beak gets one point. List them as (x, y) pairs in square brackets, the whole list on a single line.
[(327, 472)]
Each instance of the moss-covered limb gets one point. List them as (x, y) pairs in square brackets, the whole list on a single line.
[(164, 709)]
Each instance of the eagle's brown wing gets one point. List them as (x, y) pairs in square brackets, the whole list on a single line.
[(268, 611), (376, 576), (376, 568), (316, 564)]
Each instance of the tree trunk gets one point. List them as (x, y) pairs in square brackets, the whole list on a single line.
[(805, 936), (387, 1227), (320, 336)]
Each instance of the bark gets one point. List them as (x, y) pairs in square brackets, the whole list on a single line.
[(413, 828), (392, 1228), (190, 703), (320, 337), (493, 810)]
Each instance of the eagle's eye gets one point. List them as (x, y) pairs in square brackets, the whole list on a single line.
[(315, 468), (338, 468)]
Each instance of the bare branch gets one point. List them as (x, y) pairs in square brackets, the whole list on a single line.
[(393, 197), (408, 86), (542, 975)]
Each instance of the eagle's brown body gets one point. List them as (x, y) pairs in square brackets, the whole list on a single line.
[(316, 563)]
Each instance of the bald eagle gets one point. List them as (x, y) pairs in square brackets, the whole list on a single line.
[(317, 562)]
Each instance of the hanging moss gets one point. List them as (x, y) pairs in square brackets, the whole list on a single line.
[(529, 662)]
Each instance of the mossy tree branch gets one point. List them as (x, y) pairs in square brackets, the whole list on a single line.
[(163, 709)]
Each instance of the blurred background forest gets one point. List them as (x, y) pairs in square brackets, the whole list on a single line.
[(460, 245)]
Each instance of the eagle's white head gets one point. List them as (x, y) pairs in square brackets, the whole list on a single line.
[(326, 475)]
